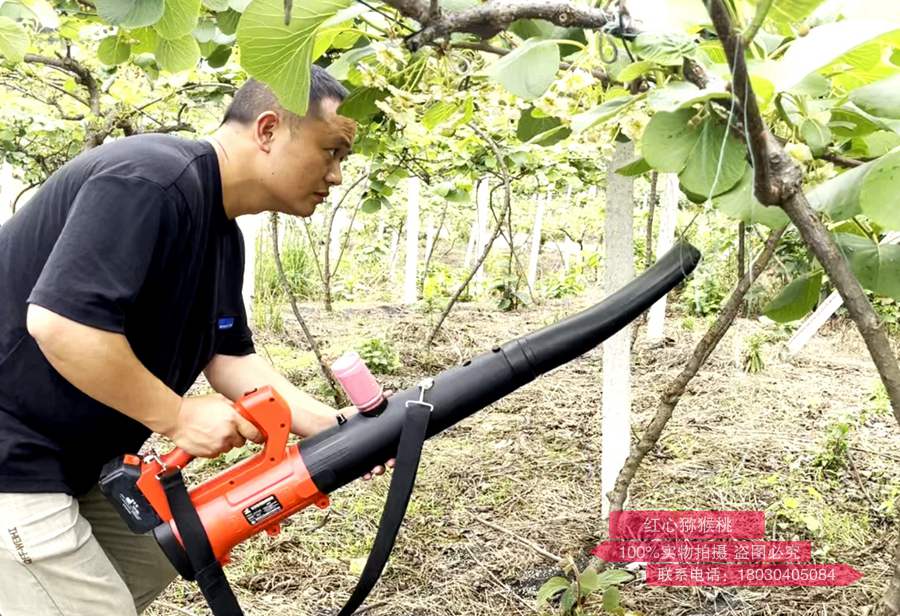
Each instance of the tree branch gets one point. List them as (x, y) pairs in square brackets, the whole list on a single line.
[(486, 20), (507, 203), (313, 345), (676, 388), (73, 67), (762, 9), (776, 176)]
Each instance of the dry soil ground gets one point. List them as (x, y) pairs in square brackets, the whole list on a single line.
[(530, 465)]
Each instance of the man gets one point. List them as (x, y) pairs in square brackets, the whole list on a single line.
[(120, 282)]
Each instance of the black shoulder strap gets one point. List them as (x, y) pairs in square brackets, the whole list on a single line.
[(409, 451), (207, 570)]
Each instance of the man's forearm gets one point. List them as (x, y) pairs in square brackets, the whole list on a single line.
[(233, 376), (102, 365)]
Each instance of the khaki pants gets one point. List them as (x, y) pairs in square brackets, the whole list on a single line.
[(62, 556)]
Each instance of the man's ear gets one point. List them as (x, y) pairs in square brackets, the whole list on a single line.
[(264, 130)]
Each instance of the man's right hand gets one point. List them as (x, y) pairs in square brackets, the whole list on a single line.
[(207, 426)]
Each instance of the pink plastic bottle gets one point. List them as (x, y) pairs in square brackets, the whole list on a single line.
[(363, 390)]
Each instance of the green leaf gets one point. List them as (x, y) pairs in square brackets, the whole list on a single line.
[(113, 50), (216, 5), (539, 28), (873, 145), (668, 48), (550, 588), (824, 44), (601, 113), (614, 577), (567, 601), (130, 13), (528, 70), (178, 55), (340, 68), (280, 55), (839, 196), (796, 299), (881, 98), (147, 61), (179, 18), (145, 40), (44, 12), (611, 599), (438, 113), (681, 95), (205, 31), (634, 70), (634, 168), (876, 266), (458, 5), (241, 5), (847, 122), (458, 195), (13, 40), (740, 204), (372, 204), (786, 15), (542, 130), (219, 56), (813, 85), (70, 29), (588, 581), (360, 104), (879, 194), (669, 139), (714, 167), (816, 135), (228, 21)]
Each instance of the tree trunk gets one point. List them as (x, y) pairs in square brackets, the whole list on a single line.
[(482, 201), (651, 209), (534, 256), (437, 236), (326, 253), (412, 241), (395, 248), (429, 237), (656, 321), (618, 271), (675, 389), (470, 245), (778, 181)]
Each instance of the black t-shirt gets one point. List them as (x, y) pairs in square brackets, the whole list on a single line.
[(130, 237)]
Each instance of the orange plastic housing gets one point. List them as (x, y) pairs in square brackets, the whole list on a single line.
[(252, 496)]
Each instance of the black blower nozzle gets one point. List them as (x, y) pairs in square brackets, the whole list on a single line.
[(344, 453)]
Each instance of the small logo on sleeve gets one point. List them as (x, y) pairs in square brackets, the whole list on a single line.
[(226, 323)]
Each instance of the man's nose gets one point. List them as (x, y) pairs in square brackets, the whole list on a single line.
[(334, 176)]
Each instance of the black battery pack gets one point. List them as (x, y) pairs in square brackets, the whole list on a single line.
[(118, 482)]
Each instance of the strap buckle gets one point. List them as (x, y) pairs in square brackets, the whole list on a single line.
[(424, 386), (154, 457)]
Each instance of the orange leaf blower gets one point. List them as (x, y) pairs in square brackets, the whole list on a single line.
[(258, 493)]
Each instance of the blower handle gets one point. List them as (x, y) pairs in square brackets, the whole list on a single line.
[(274, 428)]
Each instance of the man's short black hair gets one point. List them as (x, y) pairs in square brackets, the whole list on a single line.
[(255, 97)]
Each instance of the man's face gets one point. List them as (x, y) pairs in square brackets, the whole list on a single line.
[(304, 163)]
